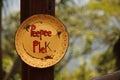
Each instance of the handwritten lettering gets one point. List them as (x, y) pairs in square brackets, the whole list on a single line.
[(37, 47), (42, 49), (39, 33)]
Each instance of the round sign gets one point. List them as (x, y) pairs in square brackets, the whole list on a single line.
[(41, 41)]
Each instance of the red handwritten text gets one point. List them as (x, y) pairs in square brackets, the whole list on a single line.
[(42, 49), (39, 33), (37, 47)]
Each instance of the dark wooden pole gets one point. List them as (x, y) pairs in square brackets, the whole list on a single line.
[(117, 54), (29, 8), (1, 72)]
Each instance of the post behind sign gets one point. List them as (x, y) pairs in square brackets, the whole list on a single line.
[(28, 8)]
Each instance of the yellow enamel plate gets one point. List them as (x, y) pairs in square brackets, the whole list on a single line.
[(41, 41)]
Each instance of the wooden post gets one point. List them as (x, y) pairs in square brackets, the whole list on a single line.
[(1, 72), (29, 8), (117, 54)]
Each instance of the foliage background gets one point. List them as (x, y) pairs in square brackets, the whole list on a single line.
[(93, 27)]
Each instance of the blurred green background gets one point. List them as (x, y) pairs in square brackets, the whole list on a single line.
[(93, 27)]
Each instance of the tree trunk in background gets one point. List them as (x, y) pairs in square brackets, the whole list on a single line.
[(29, 8), (14, 69), (1, 72), (117, 54)]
